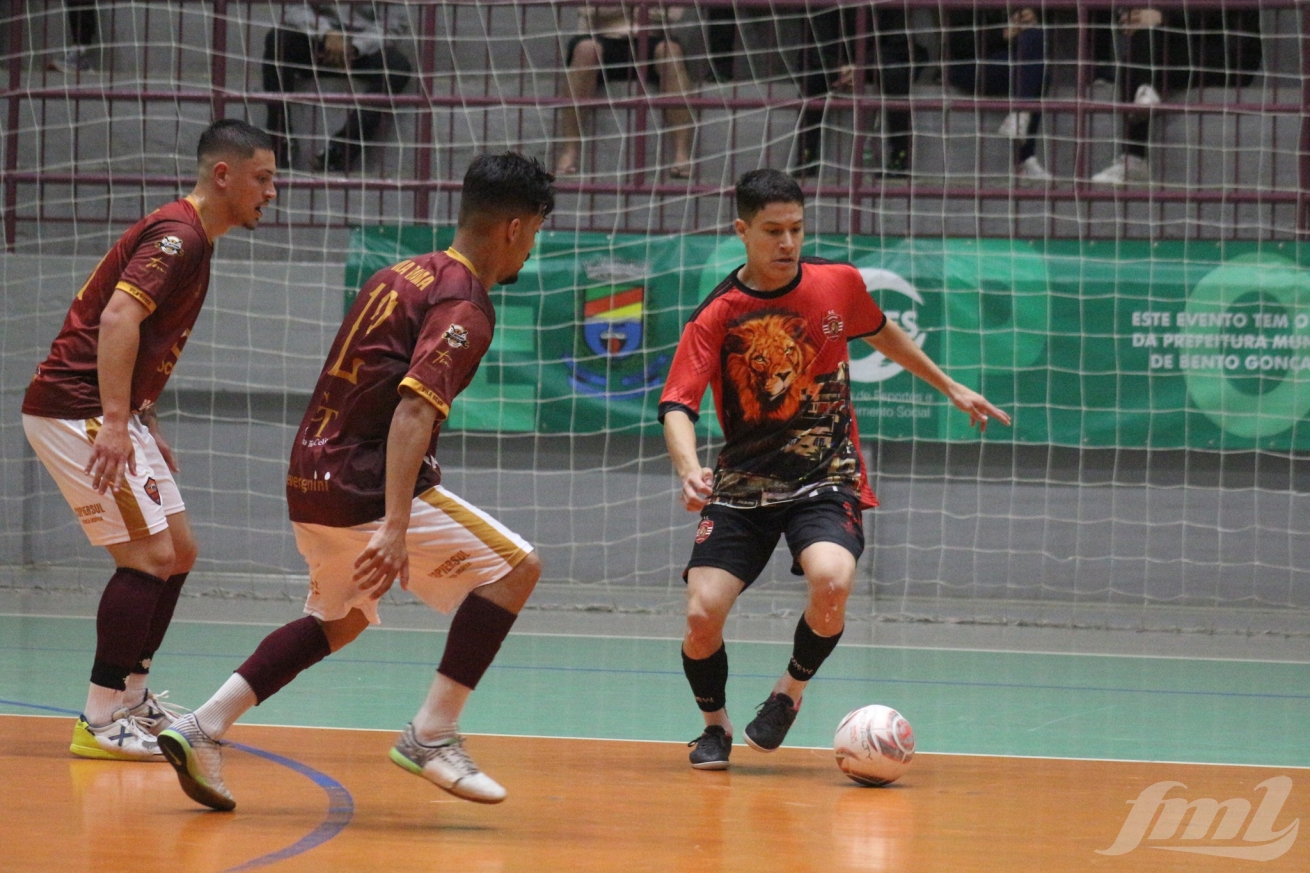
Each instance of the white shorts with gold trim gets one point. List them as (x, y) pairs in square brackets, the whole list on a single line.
[(453, 547), (131, 513)]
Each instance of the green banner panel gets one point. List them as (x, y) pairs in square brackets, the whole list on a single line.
[(1129, 344)]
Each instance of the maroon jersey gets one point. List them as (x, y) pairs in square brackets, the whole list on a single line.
[(163, 263), (779, 368), (423, 324)]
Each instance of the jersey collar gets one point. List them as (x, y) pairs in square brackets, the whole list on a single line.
[(451, 252), (768, 295)]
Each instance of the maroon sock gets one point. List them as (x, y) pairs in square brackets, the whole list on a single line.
[(283, 655), (122, 625), (476, 632), (160, 621)]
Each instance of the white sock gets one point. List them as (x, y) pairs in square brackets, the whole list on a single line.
[(227, 705), (136, 689), (101, 704)]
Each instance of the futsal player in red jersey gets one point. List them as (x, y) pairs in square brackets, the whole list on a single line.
[(89, 415), (771, 342), (365, 495)]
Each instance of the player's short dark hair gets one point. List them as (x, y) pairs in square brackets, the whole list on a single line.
[(758, 188), (231, 138), (506, 185)]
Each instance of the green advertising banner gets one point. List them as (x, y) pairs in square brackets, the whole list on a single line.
[(1093, 344)]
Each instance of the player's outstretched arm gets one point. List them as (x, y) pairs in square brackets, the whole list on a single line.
[(697, 481), (897, 346), (386, 557)]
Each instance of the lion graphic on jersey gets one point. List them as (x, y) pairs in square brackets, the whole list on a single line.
[(767, 355)]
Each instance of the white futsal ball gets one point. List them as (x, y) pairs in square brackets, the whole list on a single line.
[(874, 745)]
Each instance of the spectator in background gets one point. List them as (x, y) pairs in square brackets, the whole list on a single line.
[(82, 37), (720, 40), (335, 39), (995, 54), (827, 64), (606, 50), (1161, 51)]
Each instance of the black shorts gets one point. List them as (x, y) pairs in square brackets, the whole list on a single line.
[(741, 541), (616, 57)]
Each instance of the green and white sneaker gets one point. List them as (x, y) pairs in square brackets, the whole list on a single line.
[(447, 766), (153, 714), (198, 760)]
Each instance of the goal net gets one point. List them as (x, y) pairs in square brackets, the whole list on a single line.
[(1122, 269)]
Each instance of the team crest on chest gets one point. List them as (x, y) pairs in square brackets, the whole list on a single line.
[(833, 325), (152, 491), (170, 245), (457, 336), (704, 529)]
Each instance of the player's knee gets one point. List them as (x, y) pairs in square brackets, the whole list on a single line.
[(704, 624), (185, 553)]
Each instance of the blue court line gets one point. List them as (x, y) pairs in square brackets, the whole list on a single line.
[(341, 805)]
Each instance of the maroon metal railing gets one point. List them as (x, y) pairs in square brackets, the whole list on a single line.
[(857, 187)]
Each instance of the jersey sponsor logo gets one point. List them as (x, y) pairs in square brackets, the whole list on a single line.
[(152, 491), (304, 486), (704, 529), (157, 263), (607, 360), (170, 245), (89, 510), (1213, 828), (457, 336), (833, 326)]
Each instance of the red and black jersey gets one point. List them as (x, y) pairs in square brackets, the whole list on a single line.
[(163, 263), (424, 324), (779, 368)]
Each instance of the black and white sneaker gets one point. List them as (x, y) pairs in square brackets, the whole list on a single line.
[(711, 749), (773, 719)]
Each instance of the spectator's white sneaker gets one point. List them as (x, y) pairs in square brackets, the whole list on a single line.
[(1030, 169), (447, 766), (1146, 96), (1127, 169), (1015, 125), (75, 61)]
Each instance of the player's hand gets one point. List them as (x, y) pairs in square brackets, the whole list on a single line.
[(977, 407), (383, 559), (112, 457), (696, 489), (150, 418)]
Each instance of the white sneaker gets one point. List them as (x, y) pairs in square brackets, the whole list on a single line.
[(1125, 170), (1032, 170), (198, 760), (75, 61), (447, 766), (1015, 125), (153, 714), (120, 740), (1146, 96)]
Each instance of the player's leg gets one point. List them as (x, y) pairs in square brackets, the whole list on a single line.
[(826, 538), (731, 549), (461, 557), (711, 592), (338, 613)]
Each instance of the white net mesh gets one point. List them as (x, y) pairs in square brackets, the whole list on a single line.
[(1149, 480)]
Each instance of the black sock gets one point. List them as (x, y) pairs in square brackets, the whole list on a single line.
[(708, 678), (809, 651)]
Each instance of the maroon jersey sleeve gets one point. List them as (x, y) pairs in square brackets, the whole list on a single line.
[(694, 364), (165, 260), (454, 337)]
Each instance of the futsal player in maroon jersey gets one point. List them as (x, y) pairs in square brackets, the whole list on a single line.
[(365, 496), (771, 342), (89, 415)]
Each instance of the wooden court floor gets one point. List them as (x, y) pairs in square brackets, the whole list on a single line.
[(1031, 762), (315, 800)]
